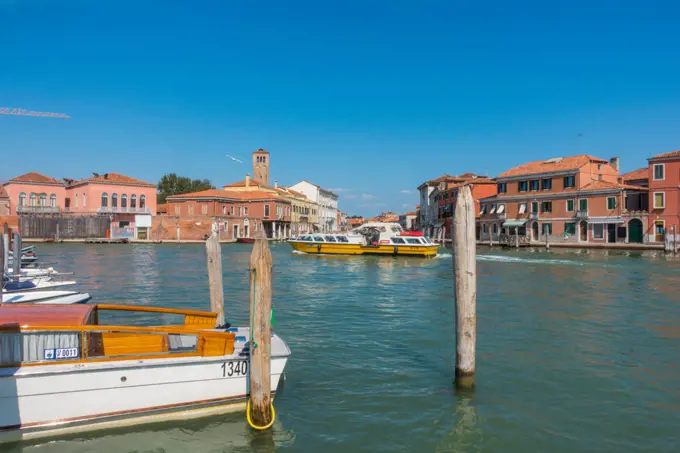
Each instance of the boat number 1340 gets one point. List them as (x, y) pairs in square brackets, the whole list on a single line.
[(239, 368)]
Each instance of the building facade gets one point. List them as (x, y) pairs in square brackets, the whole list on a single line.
[(576, 198), (664, 196), (407, 220), (33, 193), (4, 202), (481, 187), (327, 203)]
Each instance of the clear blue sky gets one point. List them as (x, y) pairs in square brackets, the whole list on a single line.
[(369, 97)]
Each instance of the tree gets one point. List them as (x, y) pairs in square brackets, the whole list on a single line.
[(171, 184)]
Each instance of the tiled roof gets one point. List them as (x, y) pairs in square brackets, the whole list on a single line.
[(552, 165), (3, 193), (665, 155), (251, 183), (409, 213), (636, 175), (604, 185), (222, 194), (114, 178), (37, 178)]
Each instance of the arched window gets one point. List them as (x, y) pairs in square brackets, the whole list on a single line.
[(142, 201), (43, 200), (114, 200), (105, 200), (34, 199), (77, 205), (84, 199), (53, 201), (133, 201), (123, 201), (22, 199)]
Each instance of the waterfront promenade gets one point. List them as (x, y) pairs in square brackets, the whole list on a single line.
[(577, 349)]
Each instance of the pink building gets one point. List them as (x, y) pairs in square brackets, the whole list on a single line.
[(111, 193), (35, 193), (4, 202)]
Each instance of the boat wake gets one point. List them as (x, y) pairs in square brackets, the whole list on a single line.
[(513, 259), (442, 255)]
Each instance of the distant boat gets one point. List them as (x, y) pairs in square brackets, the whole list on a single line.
[(245, 240), (35, 284), (46, 297)]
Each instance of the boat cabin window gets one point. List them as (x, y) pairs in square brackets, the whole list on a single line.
[(318, 239), (342, 238), (412, 241), (398, 241), (396, 230), (35, 347), (330, 239), (305, 238), (118, 344)]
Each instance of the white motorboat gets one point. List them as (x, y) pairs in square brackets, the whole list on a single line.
[(35, 284), (45, 297), (63, 372)]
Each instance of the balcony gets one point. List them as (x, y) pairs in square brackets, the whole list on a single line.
[(581, 215), (533, 216), (38, 209), (123, 210), (502, 216)]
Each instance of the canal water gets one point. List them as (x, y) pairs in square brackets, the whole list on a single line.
[(577, 351)]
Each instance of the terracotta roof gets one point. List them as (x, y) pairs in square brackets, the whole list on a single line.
[(219, 193), (251, 183), (665, 155), (37, 178), (636, 175), (113, 178), (604, 185), (409, 213), (552, 165), (3, 193)]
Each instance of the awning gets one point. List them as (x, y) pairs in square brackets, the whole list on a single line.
[(514, 223)]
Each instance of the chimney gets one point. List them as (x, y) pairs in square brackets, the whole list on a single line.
[(276, 184), (247, 180), (614, 162)]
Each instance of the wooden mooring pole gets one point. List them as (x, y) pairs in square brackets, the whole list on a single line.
[(3, 264), (465, 287), (5, 253), (16, 264), (260, 414), (213, 252)]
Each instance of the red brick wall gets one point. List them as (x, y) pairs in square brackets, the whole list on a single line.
[(669, 186), (216, 209)]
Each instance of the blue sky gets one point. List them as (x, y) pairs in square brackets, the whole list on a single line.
[(369, 97)]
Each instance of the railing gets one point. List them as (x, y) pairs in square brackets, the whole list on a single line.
[(581, 214), (533, 215), (39, 209), (124, 210)]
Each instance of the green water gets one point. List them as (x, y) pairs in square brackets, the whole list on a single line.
[(577, 351)]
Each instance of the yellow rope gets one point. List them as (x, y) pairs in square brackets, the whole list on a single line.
[(250, 420)]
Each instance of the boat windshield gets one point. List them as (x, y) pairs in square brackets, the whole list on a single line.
[(318, 239), (412, 241), (342, 238), (305, 238), (330, 239), (398, 241)]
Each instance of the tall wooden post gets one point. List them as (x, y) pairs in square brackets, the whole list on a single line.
[(5, 253), (16, 267), (675, 242), (261, 336), (3, 264), (465, 287), (215, 281), (516, 237), (547, 244)]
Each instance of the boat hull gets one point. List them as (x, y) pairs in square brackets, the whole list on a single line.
[(358, 249), (42, 401), (245, 240)]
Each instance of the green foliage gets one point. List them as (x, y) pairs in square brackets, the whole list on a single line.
[(172, 184)]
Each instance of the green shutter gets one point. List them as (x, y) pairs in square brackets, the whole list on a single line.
[(611, 203), (583, 204), (534, 207), (570, 205)]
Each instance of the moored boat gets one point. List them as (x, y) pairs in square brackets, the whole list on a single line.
[(45, 297), (63, 370), (374, 238), (245, 240)]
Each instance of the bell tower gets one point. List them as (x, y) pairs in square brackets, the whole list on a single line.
[(261, 166)]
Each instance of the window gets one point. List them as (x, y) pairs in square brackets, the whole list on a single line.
[(522, 208), (570, 205), (245, 210), (501, 209), (177, 209), (30, 347), (191, 209), (659, 200), (495, 228), (546, 206), (108, 343), (85, 199), (204, 209), (77, 201), (522, 186), (611, 203), (659, 170), (598, 231), (534, 207), (225, 226), (398, 241), (318, 239), (570, 228), (114, 200), (43, 200), (266, 210), (483, 210), (412, 241), (105, 200), (22, 199), (493, 209), (569, 181), (583, 205), (547, 228), (330, 239), (224, 210), (533, 184), (123, 201), (483, 227), (502, 187), (546, 184), (342, 238), (240, 211), (278, 210), (142, 202), (53, 201), (133, 201)]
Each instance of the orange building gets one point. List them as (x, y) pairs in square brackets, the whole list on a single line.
[(4, 202), (239, 214), (664, 195), (577, 199)]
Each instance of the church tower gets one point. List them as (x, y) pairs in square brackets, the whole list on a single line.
[(261, 166)]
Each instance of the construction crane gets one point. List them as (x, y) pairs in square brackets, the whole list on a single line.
[(24, 112)]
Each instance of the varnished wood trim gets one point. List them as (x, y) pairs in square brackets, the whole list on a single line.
[(157, 310)]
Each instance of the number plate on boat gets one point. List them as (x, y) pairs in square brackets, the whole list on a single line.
[(61, 353), (236, 368)]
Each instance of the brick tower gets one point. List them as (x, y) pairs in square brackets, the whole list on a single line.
[(261, 166)]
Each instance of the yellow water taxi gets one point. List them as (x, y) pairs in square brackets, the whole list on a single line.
[(374, 238)]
